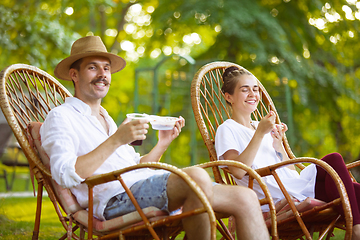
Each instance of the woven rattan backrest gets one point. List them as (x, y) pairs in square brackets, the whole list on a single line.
[(27, 94), (209, 106)]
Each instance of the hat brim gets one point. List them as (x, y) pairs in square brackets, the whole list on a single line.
[(62, 69)]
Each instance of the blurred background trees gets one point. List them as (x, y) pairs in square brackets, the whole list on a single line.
[(304, 52)]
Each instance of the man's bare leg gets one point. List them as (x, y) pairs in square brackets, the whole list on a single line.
[(244, 205), (180, 194)]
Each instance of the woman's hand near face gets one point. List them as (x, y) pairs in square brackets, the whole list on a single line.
[(278, 133), (266, 124)]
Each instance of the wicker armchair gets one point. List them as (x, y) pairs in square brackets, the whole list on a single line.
[(298, 222), (27, 94)]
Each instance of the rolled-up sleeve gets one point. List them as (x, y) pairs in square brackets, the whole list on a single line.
[(61, 143)]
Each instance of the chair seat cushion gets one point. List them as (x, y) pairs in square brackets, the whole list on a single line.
[(286, 212), (64, 195), (119, 222)]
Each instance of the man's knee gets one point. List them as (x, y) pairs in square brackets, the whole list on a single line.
[(201, 177), (245, 195), (179, 191)]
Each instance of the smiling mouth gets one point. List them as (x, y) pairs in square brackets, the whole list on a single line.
[(100, 82)]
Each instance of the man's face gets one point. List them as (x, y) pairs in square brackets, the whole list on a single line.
[(93, 80)]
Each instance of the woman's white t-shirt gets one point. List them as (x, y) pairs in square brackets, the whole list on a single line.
[(232, 135)]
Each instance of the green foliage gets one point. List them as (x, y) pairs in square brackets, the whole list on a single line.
[(37, 39), (278, 36), (310, 45)]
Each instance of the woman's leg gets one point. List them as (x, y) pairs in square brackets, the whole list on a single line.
[(325, 186)]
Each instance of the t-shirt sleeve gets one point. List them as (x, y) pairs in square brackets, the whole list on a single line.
[(227, 139)]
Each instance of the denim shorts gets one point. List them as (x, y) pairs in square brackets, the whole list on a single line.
[(147, 192)]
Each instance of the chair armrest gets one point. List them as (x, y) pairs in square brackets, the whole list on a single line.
[(353, 164)]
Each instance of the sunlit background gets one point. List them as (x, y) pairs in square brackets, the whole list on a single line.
[(304, 52)]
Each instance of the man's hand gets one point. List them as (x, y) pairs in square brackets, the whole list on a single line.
[(167, 136), (130, 131)]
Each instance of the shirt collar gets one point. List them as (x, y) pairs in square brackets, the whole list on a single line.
[(82, 107)]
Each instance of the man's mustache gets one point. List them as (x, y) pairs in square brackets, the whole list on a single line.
[(100, 80)]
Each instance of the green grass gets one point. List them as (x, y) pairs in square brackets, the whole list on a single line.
[(17, 217), (17, 220), (17, 214)]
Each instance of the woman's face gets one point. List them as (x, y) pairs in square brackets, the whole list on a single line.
[(246, 95)]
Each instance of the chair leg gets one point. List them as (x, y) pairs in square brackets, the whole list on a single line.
[(82, 232), (165, 234), (329, 235), (224, 230), (38, 212), (232, 226), (6, 180), (121, 236), (312, 231), (329, 230), (69, 229), (13, 176)]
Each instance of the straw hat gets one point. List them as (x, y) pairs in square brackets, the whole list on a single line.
[(84, 47)]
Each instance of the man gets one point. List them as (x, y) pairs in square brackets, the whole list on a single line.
[(82, 140)]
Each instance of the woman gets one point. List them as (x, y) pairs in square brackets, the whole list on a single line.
[(259, 144)]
